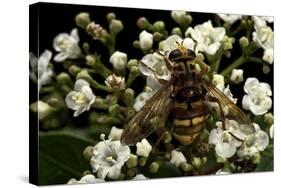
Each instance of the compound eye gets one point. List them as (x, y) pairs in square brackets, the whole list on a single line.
[(175, 54), (191, 53)]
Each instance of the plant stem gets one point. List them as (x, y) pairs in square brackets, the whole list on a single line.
[(215, 60), (234, 65)]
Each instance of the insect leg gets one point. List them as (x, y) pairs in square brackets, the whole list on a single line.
[(162, 81), (162, 134), (167, 62), (205, 68)]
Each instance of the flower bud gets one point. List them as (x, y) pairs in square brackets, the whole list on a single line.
[(132, 161), (110, 16), (256, 158), (142, 161), (132, 62), (268, 55), (146, 40), (167, 138), (227, 42), (142, 23), (186, 167), (84, 75), (91, 61), (268, 118), (218, 81), (237, 76), (157, 36), (129, 97), (181, 18), (196, 162), (118, 60), (116, 26), (114, 109), (74, 70), (115, 82), (64, 79), (177, 158), (131, 172), (154, 167), (143, 148), (43, 109), (159, 26), (115, 133), (86, 47), (88, 152), (244, 42), (82, 19), (135, 70), (265, 69), (177, 31), (96, 31)]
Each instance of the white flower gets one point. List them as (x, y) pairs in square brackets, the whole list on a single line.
[(146, 40), (40, 72), (237, 76), (208, 37), (143, 148), (115, 133), (140, 177), (260, 21), (179, 16), (218, 81), (67, 46), (230, 18), (118, 60), (268, 55), (154, 63), (115, 82), (257, 98), (170, 43), (108, 158), (271, 131), (263, 36), (87, 179), (177, 158), (81, 98), (254, 143), (225, 143)]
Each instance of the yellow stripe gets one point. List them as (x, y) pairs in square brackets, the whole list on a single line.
[(198, 120), (197, 105), (185, 122), (180, 105)]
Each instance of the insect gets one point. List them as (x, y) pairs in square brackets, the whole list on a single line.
[(186, 98)]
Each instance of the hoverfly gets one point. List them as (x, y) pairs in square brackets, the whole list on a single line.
[(186, 98)]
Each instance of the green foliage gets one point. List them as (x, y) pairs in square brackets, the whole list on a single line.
[(60, 157)]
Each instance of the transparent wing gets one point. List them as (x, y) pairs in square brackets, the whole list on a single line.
[(150, 118), (229, 113)]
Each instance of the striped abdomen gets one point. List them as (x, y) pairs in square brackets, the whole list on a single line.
[(188, 116)]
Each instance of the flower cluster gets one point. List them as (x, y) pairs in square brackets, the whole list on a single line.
[(101, 92)]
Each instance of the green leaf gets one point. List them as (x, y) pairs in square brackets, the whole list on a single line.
[(266, 161), (61, 157)]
